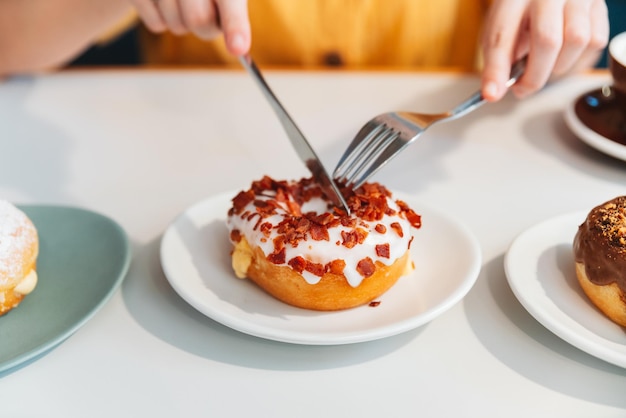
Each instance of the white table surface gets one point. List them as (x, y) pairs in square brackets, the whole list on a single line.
[(140, 147)]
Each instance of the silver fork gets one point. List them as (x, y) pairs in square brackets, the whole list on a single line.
[(384, 136)]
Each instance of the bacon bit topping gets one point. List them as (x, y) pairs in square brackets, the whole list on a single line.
[(281, 196), (349, 238), (294, 208), (348, 222), (266, 228), (380, 228), (398, 228), (279, 243), (362, 233), (235, 235), (414, 219), (315, 268), (319, 233), (366, 267), (278, 257), (298, 264), (323, 219), (336, 267), (354, 237), (242, 199), (382, 250), (258, 222)]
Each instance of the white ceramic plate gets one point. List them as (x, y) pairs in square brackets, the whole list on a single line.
[(195, 255), (591, 137), (540, 269), (83, 258)]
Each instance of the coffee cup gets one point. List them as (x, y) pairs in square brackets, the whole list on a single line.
[(617, 61)]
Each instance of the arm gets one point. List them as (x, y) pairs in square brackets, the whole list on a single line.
[(559, 36), (41, 34)]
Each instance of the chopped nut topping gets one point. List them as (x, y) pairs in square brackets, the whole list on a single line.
[(610, 220)]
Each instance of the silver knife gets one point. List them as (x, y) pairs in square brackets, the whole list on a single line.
[(299, 142)]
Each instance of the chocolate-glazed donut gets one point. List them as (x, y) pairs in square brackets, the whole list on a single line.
[(600, 256)]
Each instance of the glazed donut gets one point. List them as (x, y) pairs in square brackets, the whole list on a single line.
[(19, 247), (600, 257), (295, 245)]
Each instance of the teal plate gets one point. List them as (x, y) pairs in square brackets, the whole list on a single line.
[(83, 258)]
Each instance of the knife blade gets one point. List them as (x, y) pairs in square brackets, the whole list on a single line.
[(297, 139)]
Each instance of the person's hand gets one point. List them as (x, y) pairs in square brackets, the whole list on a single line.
[(559, 36), (206, 19)]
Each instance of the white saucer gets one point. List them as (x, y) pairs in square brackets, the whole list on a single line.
[(195, 255), (540, 269), (589, 136)]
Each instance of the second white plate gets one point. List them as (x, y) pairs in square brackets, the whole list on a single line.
[(540, 270), (195, 255)]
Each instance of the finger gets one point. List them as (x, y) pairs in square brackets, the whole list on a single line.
[(150, 15), (201, 18), (170, 12), (599, 25), (600, 32), (235, 24), (498, 43), (546, 39), (598, 40), (599, 36), (576, 35)]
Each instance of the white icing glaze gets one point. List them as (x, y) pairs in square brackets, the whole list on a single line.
[(16, 239), (323, 251)]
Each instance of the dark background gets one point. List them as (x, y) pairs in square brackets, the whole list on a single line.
[(125, 49)]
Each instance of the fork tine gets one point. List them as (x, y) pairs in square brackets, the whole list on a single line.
[(372, 138), (392, 149), (362, 161), (363, 158), (361, 141)]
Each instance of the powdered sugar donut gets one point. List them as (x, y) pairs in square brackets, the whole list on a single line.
[(19, 247)]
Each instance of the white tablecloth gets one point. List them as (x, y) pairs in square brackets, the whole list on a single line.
[(142, 146)]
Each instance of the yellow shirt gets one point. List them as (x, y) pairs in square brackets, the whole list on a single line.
[(349, 33)]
